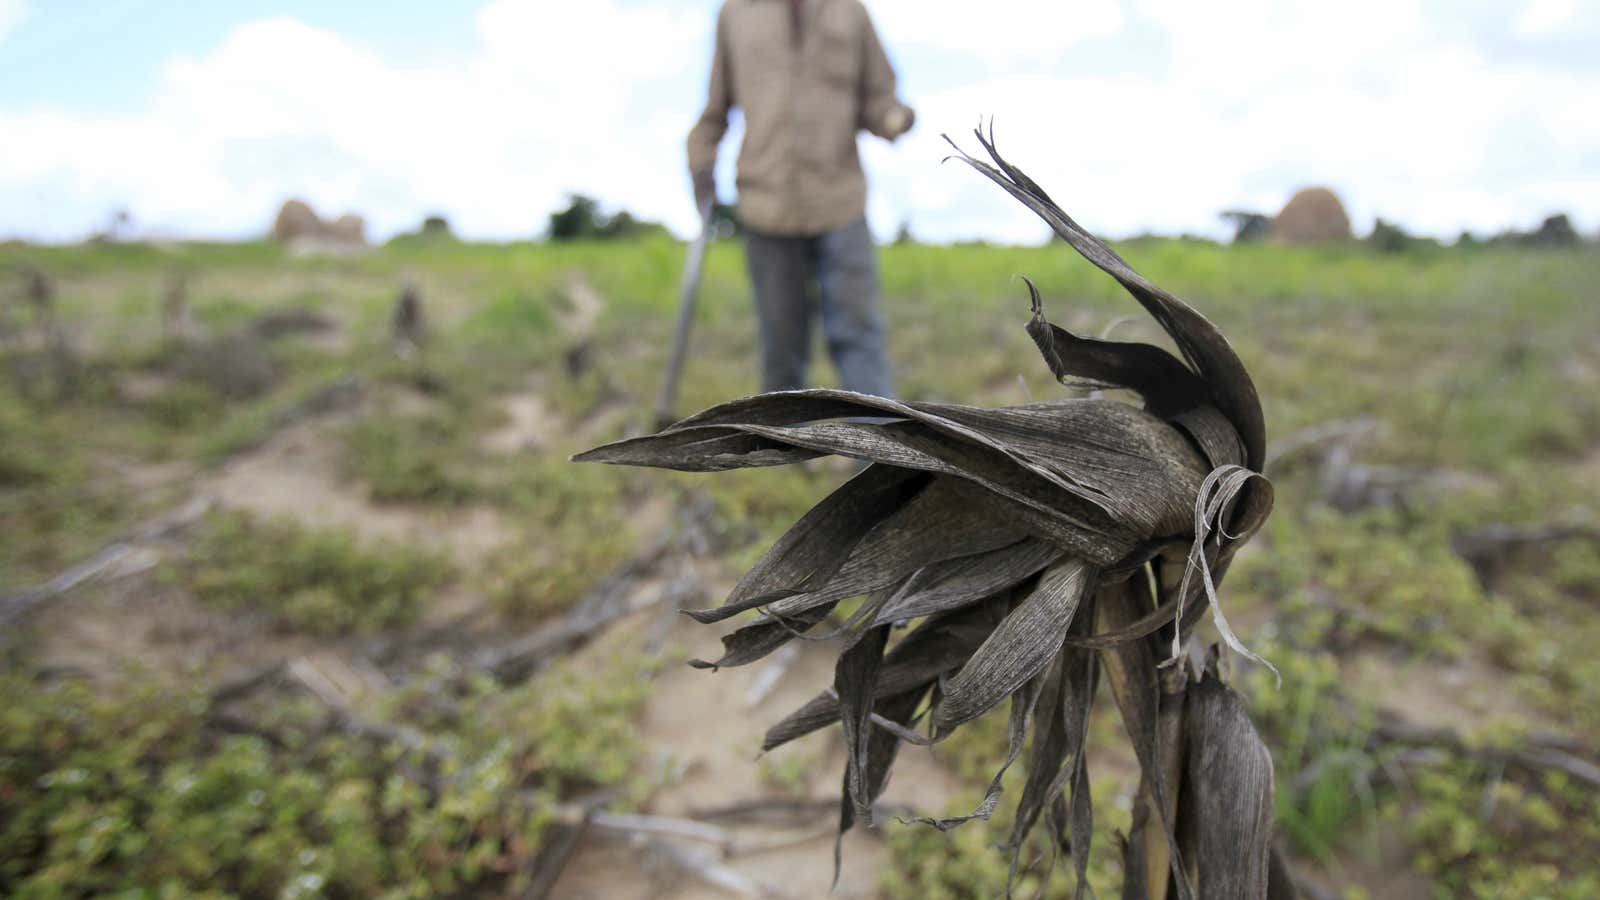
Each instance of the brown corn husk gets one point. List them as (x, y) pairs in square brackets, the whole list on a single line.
[(1031, 548)]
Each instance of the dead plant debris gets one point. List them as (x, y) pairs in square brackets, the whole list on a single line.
[(1037, 547)]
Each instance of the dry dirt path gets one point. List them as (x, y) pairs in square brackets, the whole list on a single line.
[(703, 725)]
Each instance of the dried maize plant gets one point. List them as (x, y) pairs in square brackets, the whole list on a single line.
[(1020, 553)]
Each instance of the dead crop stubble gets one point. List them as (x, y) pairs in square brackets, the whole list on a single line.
[(1031, 549)]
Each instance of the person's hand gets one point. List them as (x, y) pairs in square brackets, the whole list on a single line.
[(899, 120), (705, 192)]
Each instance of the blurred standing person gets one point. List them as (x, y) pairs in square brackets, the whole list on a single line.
[(808, 74)]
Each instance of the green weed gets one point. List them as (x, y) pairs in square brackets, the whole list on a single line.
[(971, 861), (317, 581), (53, 507), (532, 582), (408, 458), (129, 792), (1367, 576), (183, 405), (1483, 833)]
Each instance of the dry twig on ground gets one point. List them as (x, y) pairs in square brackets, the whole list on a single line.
[(1489, 549), (1534, 752), (127, 556)]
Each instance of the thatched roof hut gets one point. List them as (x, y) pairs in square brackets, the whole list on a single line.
[(298, 225), (1312, 216)]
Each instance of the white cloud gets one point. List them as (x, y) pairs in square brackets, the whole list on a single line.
[(1003, 33), (1233, 104), (279, 108), (1256, 99), (12, 14), (1543, 17)]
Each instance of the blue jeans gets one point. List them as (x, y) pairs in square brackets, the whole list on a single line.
[(836, 274)]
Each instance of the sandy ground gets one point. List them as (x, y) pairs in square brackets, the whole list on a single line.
[(718, 761), (295, 475)]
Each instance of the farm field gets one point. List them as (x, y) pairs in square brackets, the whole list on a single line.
[(292, 606)]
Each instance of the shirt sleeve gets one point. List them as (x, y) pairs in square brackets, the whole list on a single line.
[(882, 113), (713, 122)]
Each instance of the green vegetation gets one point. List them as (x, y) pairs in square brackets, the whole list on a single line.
[(528, 585), (575, 519), (1482, 834), (51, 511), (1369, 576), (969, 861), (964, 863), (1479, 363), (582, 220), (138, 791), (407, 458), (317, 581)]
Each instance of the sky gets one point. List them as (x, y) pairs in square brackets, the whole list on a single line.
[(1136, 115)]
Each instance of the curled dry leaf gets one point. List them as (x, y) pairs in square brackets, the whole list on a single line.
[(1017, 553)]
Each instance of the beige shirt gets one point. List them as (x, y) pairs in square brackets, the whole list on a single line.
[(798, 173)]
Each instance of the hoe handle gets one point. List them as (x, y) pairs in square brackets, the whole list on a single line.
[(667, 401)]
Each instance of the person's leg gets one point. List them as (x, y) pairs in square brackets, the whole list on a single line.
[(847, 270), (779, 270)]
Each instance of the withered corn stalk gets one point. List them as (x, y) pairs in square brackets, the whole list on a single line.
[(1033, 548)]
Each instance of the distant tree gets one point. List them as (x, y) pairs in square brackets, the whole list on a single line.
[(1248, 227), (1387, 237), (625, 225), (1467, 239), (904, 235), (1554, 231), (622, 224), (1390, 237), (437, 227), (582, 220)]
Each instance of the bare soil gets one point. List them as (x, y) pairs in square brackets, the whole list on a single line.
[(529, 424), (296, 475), (715, 759), (139, 622)]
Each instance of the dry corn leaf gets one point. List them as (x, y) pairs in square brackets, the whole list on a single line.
[(1031, 548)]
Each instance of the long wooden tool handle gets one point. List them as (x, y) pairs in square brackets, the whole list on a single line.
[(667, 400)]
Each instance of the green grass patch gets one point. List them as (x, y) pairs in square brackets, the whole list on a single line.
[(576, 519), (1367, 576), (318, 581), (408, 458), (128, 792), (1483, 833), (54, 507)]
